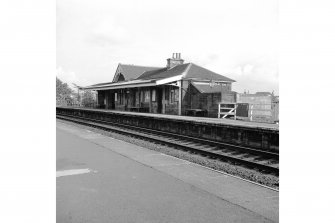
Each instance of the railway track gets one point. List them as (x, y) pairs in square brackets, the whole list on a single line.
[(263, 161)]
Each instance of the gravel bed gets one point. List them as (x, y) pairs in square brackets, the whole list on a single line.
[(245, 173)]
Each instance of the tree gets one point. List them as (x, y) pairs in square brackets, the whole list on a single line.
[(64, 94), (88, 98)]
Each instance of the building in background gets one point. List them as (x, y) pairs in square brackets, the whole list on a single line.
[(260, 107), (178, 89)]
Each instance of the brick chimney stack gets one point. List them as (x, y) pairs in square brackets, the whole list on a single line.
[(174, 61)]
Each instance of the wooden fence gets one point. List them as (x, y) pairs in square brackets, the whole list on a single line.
[(250, 112)]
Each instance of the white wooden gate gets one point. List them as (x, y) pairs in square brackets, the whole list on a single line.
[(227, 110)]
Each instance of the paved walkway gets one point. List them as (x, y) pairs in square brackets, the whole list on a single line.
[(101, 179)]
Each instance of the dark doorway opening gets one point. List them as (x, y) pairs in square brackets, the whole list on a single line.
[(159, 100), (113, 96)]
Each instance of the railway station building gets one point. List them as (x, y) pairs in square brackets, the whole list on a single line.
[(178, 89)]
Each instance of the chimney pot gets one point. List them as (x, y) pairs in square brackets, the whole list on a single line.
[(175, 60)]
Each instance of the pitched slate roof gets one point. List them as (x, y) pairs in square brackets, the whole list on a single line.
[(190, 71), (197, 72), (133, 71), (164, 72)]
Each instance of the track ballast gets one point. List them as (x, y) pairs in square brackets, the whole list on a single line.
[(263, 161)]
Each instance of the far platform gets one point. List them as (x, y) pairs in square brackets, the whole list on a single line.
[(215, 121), (262, 136)]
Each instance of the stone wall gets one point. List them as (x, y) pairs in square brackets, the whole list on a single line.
[(262, 108)]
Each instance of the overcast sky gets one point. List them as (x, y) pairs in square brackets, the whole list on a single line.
[(237, 39)]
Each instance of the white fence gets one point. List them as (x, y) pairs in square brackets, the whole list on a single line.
[(227, 110), (260, 112)]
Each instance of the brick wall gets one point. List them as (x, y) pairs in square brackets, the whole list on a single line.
[(171, 109)]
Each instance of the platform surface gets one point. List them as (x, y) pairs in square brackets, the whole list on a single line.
[(101, 179), (238, 123)]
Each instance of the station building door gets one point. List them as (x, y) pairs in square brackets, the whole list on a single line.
[(159, 100), (110, 99)]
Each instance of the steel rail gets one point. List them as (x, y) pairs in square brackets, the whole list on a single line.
[(107, 126), (267, 154)]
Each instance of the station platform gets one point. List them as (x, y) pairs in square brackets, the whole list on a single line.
[(262, 136), (101, 179), (212, 121)]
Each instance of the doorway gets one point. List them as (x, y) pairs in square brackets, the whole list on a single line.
[(159, 100)]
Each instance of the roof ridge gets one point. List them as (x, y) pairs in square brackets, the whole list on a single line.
[(177, 66), (187, 69)]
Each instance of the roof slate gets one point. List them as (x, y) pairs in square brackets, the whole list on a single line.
[(198, 72), (133, 71), (164, 72), (194, 72), (190, 71)]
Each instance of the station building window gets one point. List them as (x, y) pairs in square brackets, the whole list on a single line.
[(153, 95), (146, 96), (142, 96), (174, 95)]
